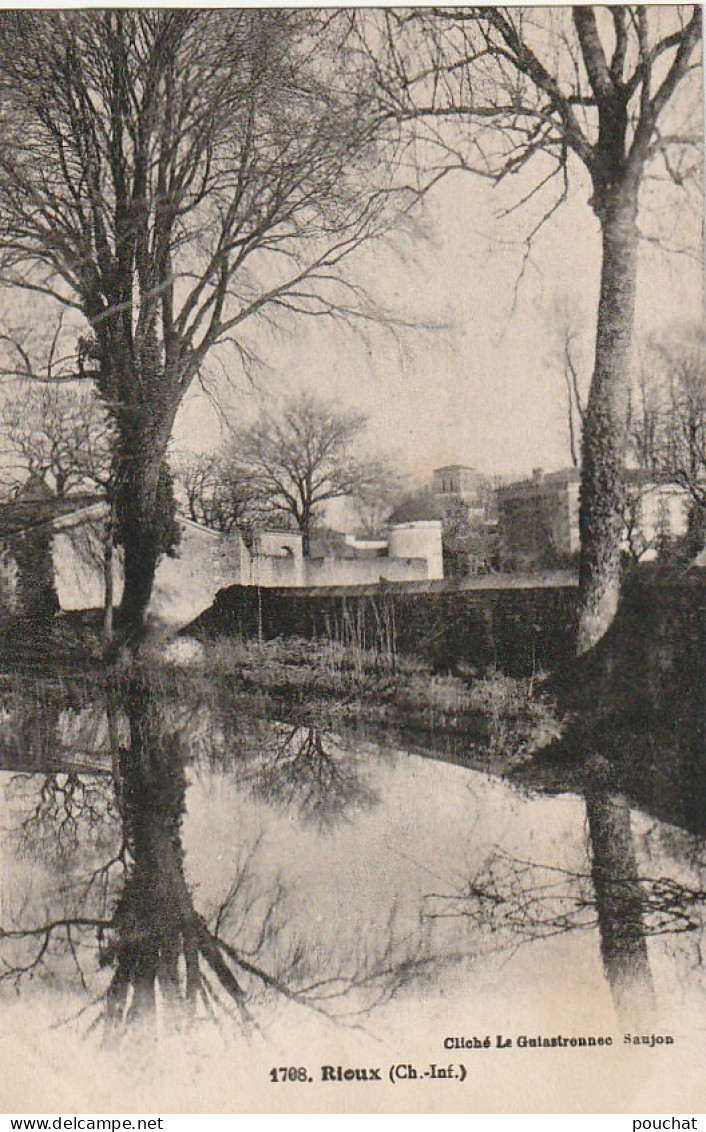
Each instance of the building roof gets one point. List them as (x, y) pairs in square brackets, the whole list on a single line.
[(540, 479), (456, 468), (420, 507)]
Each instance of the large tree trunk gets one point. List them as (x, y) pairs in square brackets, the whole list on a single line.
[(144, 513), (139, 535), (142, 393), (140, 564), (605, 419), (108, 597), (695, 538), (305, 528)]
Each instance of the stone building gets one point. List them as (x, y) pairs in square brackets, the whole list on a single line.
[(468, 524), (457, 481), (539, 517)]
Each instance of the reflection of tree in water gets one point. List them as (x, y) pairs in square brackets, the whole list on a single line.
[(300, 760), (620, 896), (51, 736), (141, 924), (305, 765), (60, 809), (524, 901), (29, 730)]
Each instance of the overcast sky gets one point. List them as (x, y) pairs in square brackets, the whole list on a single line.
[(485, 388)]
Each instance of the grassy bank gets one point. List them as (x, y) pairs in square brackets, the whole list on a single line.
[(636, 701), (68, 642), (488, 720)]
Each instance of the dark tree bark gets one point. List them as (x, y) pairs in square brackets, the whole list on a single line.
[(144, 395), (616, 163), (305, 528), (604, 434), (145, 509), (108, 587)]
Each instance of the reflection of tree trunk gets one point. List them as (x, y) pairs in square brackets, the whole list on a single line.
[(619, 896), (605, 418), (155, 923), (155, 914)]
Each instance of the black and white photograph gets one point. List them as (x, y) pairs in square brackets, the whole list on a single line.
[(352, 560)]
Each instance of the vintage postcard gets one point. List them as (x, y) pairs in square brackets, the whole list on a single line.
[(352, 560)]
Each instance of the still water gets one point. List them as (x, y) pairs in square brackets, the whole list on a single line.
[(192, 896)]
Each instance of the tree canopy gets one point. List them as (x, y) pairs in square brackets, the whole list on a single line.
[(304, 455), (59, 434), (214, 492), (169, 175)]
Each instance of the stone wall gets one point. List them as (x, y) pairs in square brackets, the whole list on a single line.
[(518, 629), (59, 565)]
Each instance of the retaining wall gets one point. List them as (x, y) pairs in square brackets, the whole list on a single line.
[(518, 629)]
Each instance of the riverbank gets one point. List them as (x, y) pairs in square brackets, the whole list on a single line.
[(636, 700), (486, 720)]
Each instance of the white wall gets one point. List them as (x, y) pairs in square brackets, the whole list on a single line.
[(278, 544), (663, 510), (363, 571), (206, 561), (183, 587), (420, 539)]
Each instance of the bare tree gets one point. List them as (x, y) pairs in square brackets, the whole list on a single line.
[(169, 175), (667, 433), (303, 456), (575, 378), (215, 494), (544, 93), (60, 434)]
